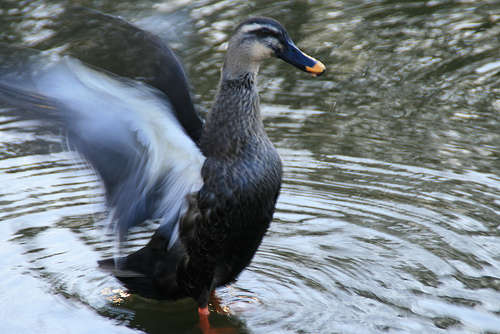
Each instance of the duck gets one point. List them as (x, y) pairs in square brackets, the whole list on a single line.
[(214, 197)]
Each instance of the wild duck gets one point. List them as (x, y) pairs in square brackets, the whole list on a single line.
[(214, 199)]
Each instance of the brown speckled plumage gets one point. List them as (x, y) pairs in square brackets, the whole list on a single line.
[(227, 218), (213, 189)]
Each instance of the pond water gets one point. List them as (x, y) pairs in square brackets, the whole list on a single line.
[(389, 216)]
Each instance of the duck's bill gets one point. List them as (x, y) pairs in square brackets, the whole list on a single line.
[(291, 54)]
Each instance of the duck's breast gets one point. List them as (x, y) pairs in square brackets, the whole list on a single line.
[(237, 204)]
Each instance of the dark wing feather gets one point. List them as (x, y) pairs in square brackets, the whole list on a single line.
[(115, 45)]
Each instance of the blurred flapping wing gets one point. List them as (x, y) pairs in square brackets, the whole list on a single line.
[(125, 130)]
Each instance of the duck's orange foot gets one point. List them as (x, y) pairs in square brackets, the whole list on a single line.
[(205, 324)]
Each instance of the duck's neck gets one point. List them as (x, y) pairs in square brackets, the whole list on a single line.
[(234, 119)]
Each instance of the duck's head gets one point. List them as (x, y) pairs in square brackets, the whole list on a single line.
[(260, 38)]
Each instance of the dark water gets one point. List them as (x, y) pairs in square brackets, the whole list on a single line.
[(389, 217)]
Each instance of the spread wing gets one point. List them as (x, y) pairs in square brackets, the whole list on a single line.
[(125, 130), (121, 48)]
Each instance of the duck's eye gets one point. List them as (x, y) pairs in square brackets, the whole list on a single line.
[(265, 32)]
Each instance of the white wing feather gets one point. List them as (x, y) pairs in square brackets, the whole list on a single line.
[(108, 117)]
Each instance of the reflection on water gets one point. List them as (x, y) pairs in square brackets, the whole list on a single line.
[(389, 216)]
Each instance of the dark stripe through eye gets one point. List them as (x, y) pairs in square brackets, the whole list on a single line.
[(263, 32)]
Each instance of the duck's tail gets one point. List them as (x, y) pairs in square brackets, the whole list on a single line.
[(151, 272)]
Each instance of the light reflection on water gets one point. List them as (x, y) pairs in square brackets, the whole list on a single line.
[(389, 215)]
